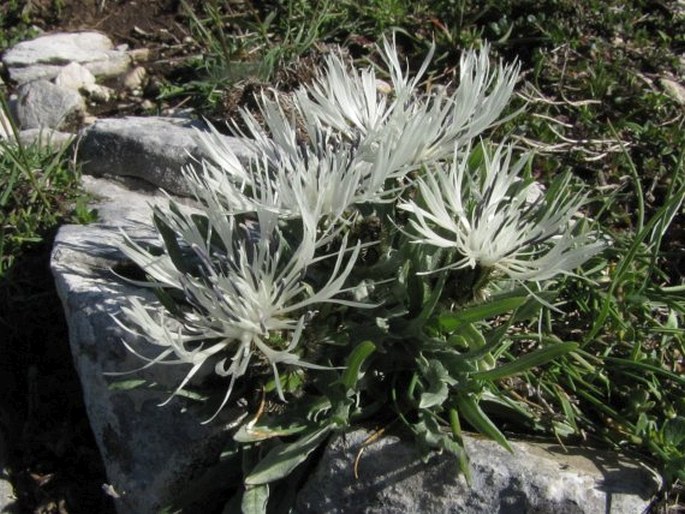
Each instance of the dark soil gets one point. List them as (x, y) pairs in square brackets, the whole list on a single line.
[(52, 459)]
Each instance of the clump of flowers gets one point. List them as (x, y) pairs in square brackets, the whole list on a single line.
[(355, 265)]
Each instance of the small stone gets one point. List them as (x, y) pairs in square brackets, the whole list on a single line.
[(98, 94), (43, 104), (674, 89), (135, 78), (147, 105), (8, 500), (74, 76), (139, 54)]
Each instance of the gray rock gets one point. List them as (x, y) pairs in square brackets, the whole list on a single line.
[(8, 504), (135, 78), (45, 56), (46, 137), (8, 501), (150, 452), (74, 76), (97, 93), (151, 148), (537, 478), (43, 104)]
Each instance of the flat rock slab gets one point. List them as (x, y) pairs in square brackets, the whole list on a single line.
[(151, 148), (45, 56), (150, 452), (537, 478)]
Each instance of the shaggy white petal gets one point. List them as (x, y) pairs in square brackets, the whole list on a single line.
[(486, 216)]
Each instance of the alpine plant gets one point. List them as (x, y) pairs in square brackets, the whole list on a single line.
[(277, 239)]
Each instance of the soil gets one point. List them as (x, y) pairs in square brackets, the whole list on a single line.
[(49, 450)]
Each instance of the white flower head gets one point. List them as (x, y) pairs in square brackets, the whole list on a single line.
[(487, 216), (415, 126), (246, 291)]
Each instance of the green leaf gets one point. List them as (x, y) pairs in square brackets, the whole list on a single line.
[(354, 363), (249, 433), (473, 337), (451, 320), (438, 380), (674, 431), (255, 499), (471, 412), (171, 244), (532, 306), (127, 385), (462, 456), (430, 434), (521, 364), (282, 459)]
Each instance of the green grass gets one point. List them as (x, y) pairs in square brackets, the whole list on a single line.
[(39, 189)]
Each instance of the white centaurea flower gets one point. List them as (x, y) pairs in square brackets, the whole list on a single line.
[(245, 285), (414, 127), (486, 216), (342, 142)]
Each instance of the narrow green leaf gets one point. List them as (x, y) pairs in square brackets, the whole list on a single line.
[(255, 499), (354, 363), (472, 413), (171, 244), (127, 385), (252, 433), (451, 320), (531, 360), (282, 459), (462, 456), (643, 366), (473, 336), (532, 306)]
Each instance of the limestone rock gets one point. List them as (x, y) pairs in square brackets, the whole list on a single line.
[(45, 56), (150, 452), (135, 78), (43, 104), (8, 501), (537, 478), (97, 93), (46, 137), (151, 148), (74, 76)]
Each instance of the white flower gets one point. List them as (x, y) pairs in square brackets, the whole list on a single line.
[(413, 127), (486, 216), (343, 142), (246, 286)]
